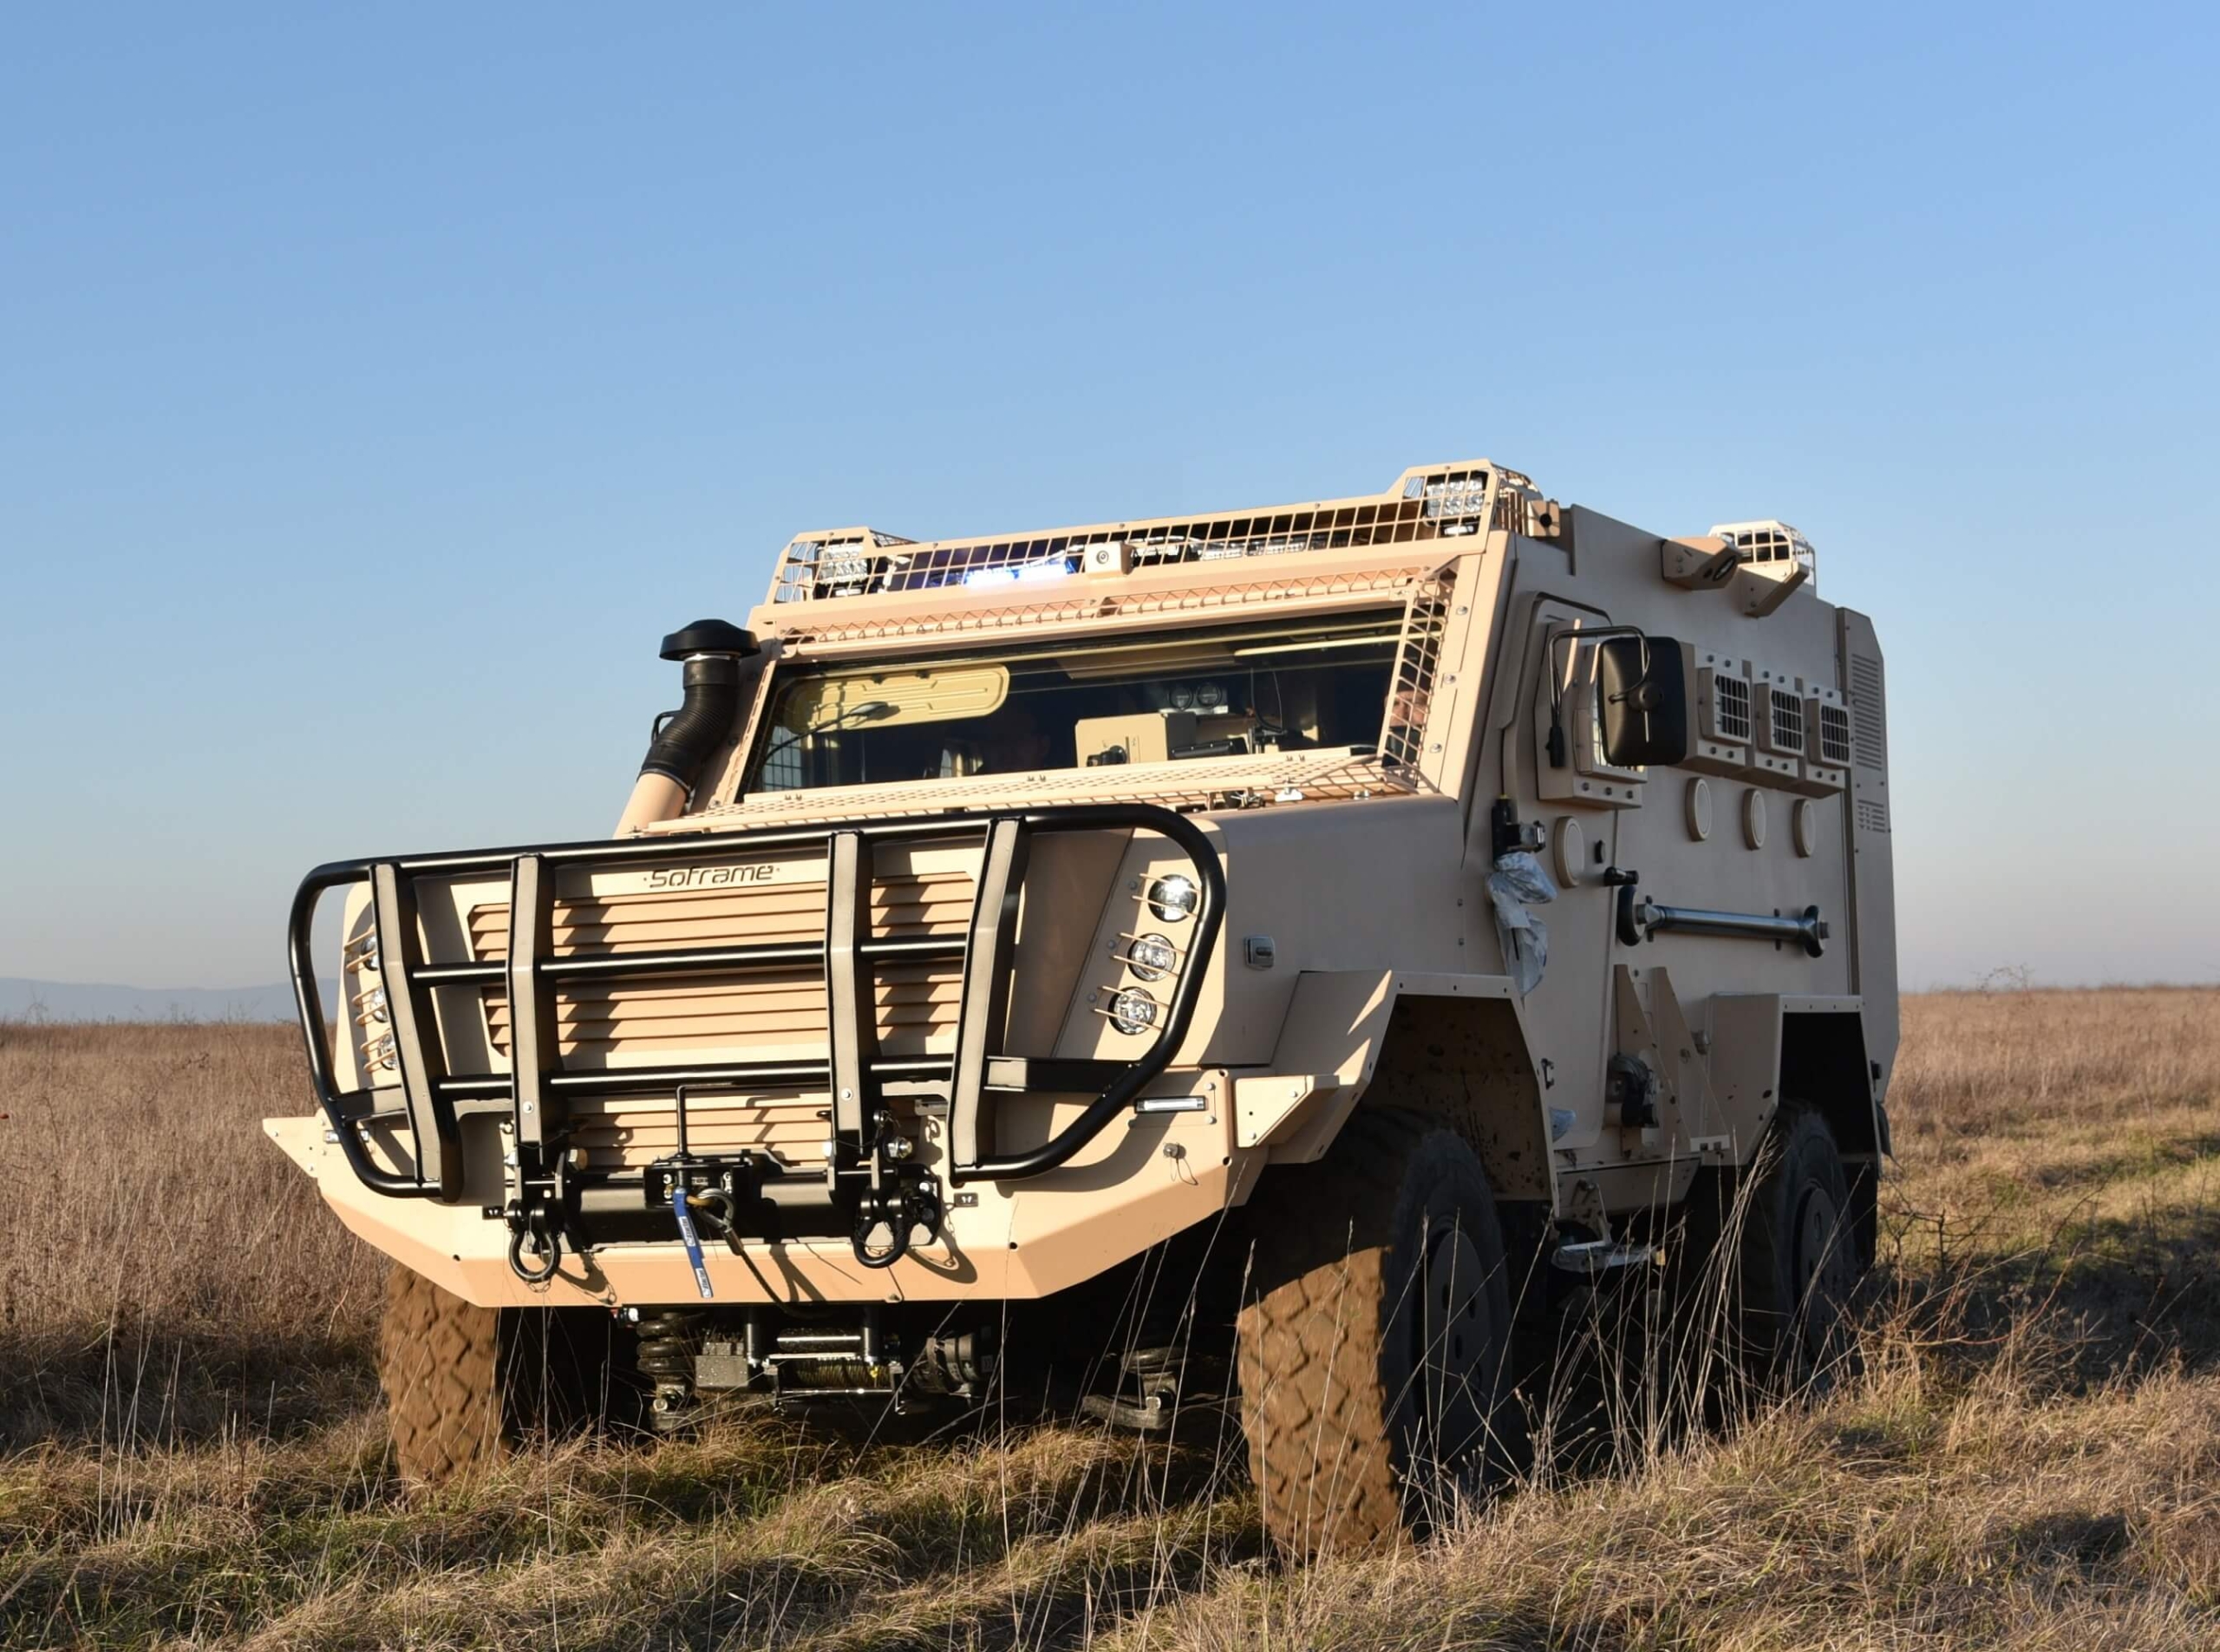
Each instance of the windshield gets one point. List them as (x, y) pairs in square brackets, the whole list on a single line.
[(1306, 685)]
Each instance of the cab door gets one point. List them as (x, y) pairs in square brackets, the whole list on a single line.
[(1567, 1012)]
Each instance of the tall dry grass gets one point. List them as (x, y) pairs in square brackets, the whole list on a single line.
[(163, 1269), (2025, 1454)]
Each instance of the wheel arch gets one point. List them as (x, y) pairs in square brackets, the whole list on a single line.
[(1823, 1065), (1773, 1047), (1453, 1046)]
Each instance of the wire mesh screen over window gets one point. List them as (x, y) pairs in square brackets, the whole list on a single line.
[(1787, 721), (1834, 735), (1435, 505), (1766, 545), (1403, 737), (1730, 699)]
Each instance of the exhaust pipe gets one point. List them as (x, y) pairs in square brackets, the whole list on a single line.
[(682, 740)]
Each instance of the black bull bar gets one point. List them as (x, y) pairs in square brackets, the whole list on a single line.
[(533, 1092)]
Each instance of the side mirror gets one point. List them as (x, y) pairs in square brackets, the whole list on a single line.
[(1643, 704)]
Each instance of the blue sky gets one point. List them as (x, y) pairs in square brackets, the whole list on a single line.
[(377, 386)]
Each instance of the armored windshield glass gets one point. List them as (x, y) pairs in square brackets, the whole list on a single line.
[(1314, 685)]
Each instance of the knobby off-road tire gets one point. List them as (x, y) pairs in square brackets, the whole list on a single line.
[(465, 1386), (1788, 1247), (1373, 1335)]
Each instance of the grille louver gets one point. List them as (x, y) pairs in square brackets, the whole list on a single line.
[(1787, 721), (1834, 735), (1731, 706), (1865, 699), (644, 1023)]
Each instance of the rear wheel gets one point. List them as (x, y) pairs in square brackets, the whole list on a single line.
[(465, 1385), (1373, 1339), (1792, 1235)]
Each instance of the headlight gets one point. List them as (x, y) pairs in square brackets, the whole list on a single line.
[(1151, 957), (1172, 899), (1133, 1011)]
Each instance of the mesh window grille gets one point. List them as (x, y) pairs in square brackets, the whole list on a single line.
[(1437, 504), (1411, 691), (1834, 735), (1730, 703), (1787, 721)]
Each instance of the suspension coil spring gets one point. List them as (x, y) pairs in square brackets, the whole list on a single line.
[(668, 1339)]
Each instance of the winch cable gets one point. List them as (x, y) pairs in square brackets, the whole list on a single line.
[(714, 1209), (680, 1200)]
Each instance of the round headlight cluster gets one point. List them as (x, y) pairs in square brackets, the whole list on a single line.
[(1133, 1011), (1151, 957), (1174, 898)]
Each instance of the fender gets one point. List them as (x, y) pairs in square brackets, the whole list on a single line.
[(1769, 1046), (1331, 1047)]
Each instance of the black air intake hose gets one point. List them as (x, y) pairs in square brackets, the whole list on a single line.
[(712, 651)]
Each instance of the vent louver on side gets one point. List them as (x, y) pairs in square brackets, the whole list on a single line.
[(1787, 721), (1731, 705), (1872, 741), (1834, 735)]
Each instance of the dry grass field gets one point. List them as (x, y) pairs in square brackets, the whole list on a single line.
[(2028, 1455)]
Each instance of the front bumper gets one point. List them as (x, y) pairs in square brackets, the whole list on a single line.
[(426, 1149)]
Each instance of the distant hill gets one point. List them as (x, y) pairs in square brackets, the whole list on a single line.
[(21, 999)]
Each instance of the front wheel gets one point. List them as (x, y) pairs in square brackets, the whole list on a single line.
[(465, 1385), (1372, 1336)]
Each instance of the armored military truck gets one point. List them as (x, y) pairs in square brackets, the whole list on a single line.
[(1421, 887)]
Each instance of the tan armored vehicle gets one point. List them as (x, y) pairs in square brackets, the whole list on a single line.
[(1389, 899)]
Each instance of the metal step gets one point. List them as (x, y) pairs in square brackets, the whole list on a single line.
[(1591, 1258)]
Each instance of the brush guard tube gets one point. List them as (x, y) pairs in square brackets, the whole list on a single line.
[(534, 1092)]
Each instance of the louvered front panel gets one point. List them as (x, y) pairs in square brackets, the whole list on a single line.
[(766, 1015), (619, 1134)]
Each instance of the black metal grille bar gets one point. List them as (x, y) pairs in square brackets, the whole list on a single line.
[(986, 970), (850, 1007), (339, 1119), (535, 1039), (762, 1074), (716, 960), (1118, 1093), (416, 1032)]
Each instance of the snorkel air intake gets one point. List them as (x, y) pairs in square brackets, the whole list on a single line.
[(711, 651)]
